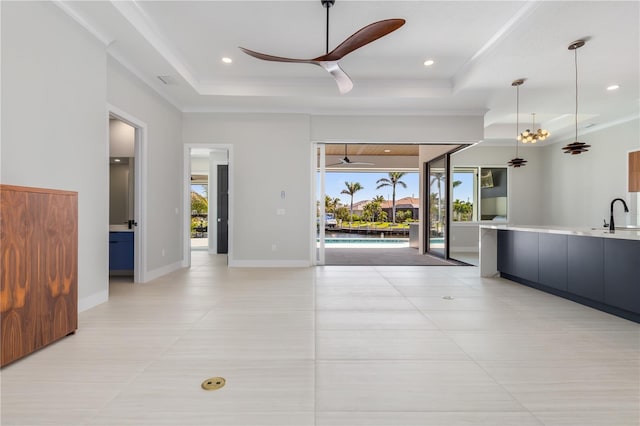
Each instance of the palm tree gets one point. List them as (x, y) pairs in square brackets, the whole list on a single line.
[(352, 188), (331, 204), (392, 181)]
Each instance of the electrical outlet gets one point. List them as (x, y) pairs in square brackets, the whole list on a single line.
[(162, 252)]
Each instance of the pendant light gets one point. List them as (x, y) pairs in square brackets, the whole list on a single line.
[(517, 161), (531, 136), (576, 147)]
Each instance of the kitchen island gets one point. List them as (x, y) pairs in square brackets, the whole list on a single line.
[(587, 265)]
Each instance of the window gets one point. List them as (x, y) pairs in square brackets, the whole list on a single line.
[(479, 193)]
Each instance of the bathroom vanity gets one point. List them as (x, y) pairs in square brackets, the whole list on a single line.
[(121, 249), (589, 266)]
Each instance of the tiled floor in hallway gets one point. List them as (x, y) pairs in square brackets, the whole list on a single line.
[(332, 346)]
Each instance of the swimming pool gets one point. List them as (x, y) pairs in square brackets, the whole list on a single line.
[(365, 240)]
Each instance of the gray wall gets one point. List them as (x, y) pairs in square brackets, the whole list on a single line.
[(579, 188), (163, 188), (54, 124), (271, 153)]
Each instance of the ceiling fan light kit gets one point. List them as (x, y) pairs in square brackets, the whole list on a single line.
[(329, 61)]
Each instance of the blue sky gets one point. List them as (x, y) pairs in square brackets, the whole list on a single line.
[(335, 182)]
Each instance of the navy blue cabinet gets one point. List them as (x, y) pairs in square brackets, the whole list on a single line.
[(120, 251), (505, 252), (552, 255), (603, 273), (586, 267), (622, 274), (525, 255)]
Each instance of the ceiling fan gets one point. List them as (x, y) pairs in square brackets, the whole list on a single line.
[(346, 161), (329, 61)]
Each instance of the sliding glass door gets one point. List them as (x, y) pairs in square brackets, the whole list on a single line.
[(437, 206)]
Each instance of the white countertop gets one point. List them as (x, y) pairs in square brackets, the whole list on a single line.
[(119, 228), (621, 233)]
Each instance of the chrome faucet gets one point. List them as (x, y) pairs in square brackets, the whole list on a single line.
[(612, 227)]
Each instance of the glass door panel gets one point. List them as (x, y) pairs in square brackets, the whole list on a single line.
[(437, 176)]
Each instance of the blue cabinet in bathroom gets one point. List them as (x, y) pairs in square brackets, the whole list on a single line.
[(120, 251)]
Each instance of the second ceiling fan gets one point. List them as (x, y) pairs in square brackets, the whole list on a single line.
[(329, 61), (346, 161)]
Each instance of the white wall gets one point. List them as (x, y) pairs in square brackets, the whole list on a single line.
[(524, 186), (271, 154), (397, 129), (579, 188), (164, 177), (54, 124)]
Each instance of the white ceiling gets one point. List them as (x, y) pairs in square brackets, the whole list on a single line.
[(479, 48)]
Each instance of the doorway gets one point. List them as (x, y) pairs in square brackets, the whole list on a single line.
[(127, 200), (207, 202)]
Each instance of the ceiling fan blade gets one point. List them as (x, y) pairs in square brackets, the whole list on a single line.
[(362, 37), (342, 79), (361, 163), (265, 57)]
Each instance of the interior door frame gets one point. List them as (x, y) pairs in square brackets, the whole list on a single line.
[(140, 185), (186, 208)]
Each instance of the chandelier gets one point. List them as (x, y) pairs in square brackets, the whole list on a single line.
[(533, 137)]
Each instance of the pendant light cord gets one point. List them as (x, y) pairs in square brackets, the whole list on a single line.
[(517, 116), (575, 60)]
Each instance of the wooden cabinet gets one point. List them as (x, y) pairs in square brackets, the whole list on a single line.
[(634, 171), (39, 249)]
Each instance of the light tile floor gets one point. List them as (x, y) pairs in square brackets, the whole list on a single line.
[(332, 346)]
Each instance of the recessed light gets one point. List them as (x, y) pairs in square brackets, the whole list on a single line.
[(613, 87), (227, 60), (429, 62), (117, 160), (387, 150)]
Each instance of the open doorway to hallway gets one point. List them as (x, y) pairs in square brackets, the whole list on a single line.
[(207, 206)]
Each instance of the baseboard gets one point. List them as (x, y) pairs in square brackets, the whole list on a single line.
[(89, 302), (164, 270), (269, 263)]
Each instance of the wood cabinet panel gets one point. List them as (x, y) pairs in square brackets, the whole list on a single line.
[(634, 171), (39, 241)]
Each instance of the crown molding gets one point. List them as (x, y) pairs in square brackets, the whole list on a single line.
[(136, 16), (67, 7)]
